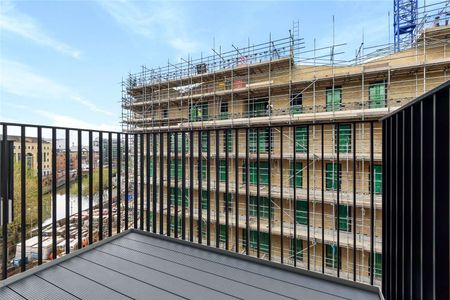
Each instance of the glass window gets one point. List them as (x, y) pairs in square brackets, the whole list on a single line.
[(301, 139), (334, 98), (228, 147), (298, 174), (263, 170), (331, 256), (264, 204), (345, 222), (377, 95), (299, 249), (296, 103), (331, 176), (345, 138), (302, 212)]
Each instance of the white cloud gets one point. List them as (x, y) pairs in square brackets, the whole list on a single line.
[(17, 79), (67, 121), (156, 21), (23, 25)]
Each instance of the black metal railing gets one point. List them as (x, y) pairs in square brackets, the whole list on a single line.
[(416, 198), (196, 185)]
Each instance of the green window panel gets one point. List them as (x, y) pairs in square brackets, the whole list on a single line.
[(180, 196), (296, 103), (377, 95), (264, 204), (331, 176), (204, 199), (378, 179), (345, 138), (263, 140), (345, 222), (263, 240), (222, 170), (331, 258), (258, 108), (301, 215), (230, 201), (378, 265), (223, 111), (334, 98), (299, 243), (204, 229), (180, 142), (150, 170), (263, 172), (204, 141), (301, 141), (223, 232), (172, 168), (298, 175), (204, 173), (198, 112), (172, 223), (228, 146)]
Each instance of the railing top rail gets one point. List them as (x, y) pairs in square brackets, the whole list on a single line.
[(59, 127)]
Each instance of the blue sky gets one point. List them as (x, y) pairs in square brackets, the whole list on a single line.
[(61, 62)]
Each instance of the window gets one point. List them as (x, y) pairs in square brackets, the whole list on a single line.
[(258, 108), (298, 175), (264, 204), (230, 201), (299, 249), (301, 215), (204, 199), (179, 197), (378, 264), (179, 223), (263, 173), (204, 167), (150, 170), (263, 240), (345, 138), (331, 176), (222, 170), (198, 112), (331, 256), (204, 141), (165, 115), (263, 140), (377, 95), (296, 103), (334, 98), (223, 111), (228, 147), (301, 139), (377, 171), (172, 168), (345, 222), (223, 232)]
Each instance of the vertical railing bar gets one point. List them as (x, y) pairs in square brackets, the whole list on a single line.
[(147, 182), (191, 186), (54, 253), (100, 186), (155, 180), (119, 190), (67, 186), (354, 201), (161, 183), (338, 198), (372, 220), (23, 203), (236, 189), (208, 188), (141, 177), (281, 197), (135, 171), (307, 198), (200, 191), (91, 196), (39, 174), (168, 182), (323, 199), (79, 190), (110, 158), (5, 203), (269, 171), (226, 190), (175, 222), (258, 208), (294, 172), (247, 193), (217, 191), (183, 185), (127, 198)]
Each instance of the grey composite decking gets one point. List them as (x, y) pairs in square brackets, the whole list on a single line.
[(138, 265)]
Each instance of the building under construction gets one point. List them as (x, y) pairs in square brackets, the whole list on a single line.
[(288, 131)]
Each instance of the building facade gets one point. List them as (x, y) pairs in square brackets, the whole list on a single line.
[(299, 126)]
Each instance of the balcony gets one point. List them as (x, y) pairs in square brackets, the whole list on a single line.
[(99, 218)]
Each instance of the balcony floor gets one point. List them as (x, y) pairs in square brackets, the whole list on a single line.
[(139, 265)]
